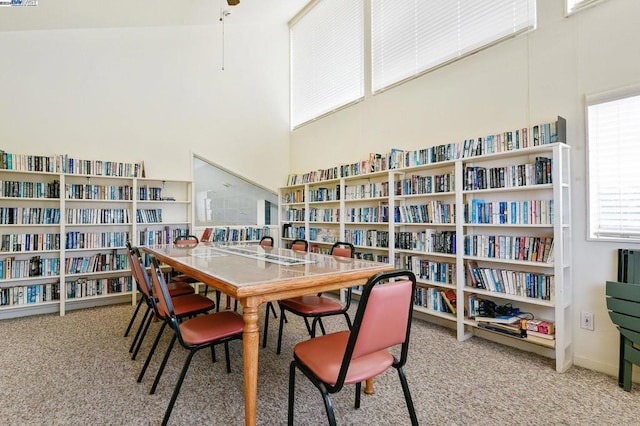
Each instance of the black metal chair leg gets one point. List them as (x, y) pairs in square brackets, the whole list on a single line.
[(213, 353), (273, 310), (176, 390), (142, 336), (358, 393), (328, 406), (151, 352), (133, 317), (292, 385), (163, 365), (321, 326), (140, 327), (217, 300), (226, 355), (266, 325), (280, 331), (407, 397)]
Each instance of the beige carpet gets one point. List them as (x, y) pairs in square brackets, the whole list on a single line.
[(76, 370)]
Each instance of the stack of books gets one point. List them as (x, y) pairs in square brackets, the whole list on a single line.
[(509, 325), (539, 328)]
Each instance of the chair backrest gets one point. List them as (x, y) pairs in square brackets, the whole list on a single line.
[(383, 318), (266, 241), (186, 240), (160, 291), (138, 271), (343, 249), (300, 245)]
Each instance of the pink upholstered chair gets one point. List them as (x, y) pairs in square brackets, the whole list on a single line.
[(196, 333), (317, 306), (175, 290), (383, 321)]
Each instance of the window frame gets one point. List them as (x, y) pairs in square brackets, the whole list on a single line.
[(573, 7), (591, 227)]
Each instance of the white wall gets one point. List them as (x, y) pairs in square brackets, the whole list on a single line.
[(150, 93), (527, 80)]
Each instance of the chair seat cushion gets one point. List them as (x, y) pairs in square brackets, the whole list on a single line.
[(311, 305), (191, 304), (179, 289), (206, 328), (184, 278), (323, 356)]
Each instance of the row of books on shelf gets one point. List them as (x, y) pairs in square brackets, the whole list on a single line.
[(63, 163), (510, 247), (149, 215), (427, 241), (324, 215), (295, 196), (29, 242), (97, 216), (435, 299), (90, 240), (150, 193), (418, 184), (83, 287), (16, 189), (537, 135), (434, 211), (424, 269), (98, 192), (10, 267), (378, 214), (366, 191), (322, 194), (235, 234), (516, 283), (29, 294), (29, 216), (367, 238), (526, 212), (161, 236), (293, 232), (515, 175), (112, 261), (295, 215)]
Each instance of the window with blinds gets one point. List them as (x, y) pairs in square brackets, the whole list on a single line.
[(410, 37), (327, 59), (573, 6), (614, 182)]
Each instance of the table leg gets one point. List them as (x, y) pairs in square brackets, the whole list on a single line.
[(250, 342), (368, 387)]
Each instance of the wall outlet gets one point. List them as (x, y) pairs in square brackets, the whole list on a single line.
[(586, 320)]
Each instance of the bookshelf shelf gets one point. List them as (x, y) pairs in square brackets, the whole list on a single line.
[(444, 206), (92, 215)]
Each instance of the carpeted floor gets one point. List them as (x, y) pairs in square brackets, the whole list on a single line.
[(76, 370)]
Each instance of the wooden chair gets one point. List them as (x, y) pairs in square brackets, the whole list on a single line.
[(317, 306), (175, 290), (383, 321), (194, 334), (623, 303)]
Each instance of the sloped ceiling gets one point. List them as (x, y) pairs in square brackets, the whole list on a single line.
[(69, 14)]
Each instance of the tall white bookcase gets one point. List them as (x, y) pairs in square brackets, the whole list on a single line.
[(64, 248), (490, 210)]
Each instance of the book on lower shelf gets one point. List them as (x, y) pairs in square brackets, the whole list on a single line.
[(449, 297), (499, 319)]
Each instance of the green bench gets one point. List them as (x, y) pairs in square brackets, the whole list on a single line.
[(623, 303)]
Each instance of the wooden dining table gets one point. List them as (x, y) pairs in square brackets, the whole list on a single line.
[(253, 275)]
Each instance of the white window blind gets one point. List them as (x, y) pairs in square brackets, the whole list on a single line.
[(409, 37), (573, 6), (327, 59), (614, 159)]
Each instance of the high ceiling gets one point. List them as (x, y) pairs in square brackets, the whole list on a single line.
[(67, 14)]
